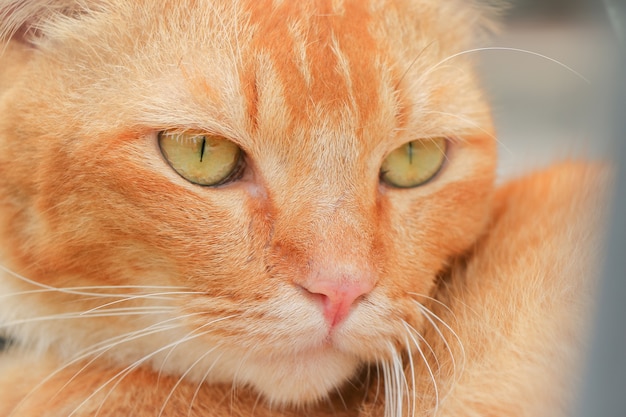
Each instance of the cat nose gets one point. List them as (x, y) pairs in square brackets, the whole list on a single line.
[(338, 296)]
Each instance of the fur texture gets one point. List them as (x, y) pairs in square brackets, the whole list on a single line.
[(130, 291)]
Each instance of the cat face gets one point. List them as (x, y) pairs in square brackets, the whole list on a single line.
[(311, 259)]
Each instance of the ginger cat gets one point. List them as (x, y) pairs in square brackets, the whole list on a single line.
[(275, 208)]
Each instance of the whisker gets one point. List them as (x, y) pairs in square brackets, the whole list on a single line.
[(436, 317), (408, 68), (87, 296), (85, 353), (105, 349), (434, 300), (428, 367), (202, 381), (242, 361), (401, 381), (343, 401), (504, 48), (74, 291), (425, 342), (377, 379), (79, 290), (81, 315), (183, 340), (256, 402), (153, 296), (443, 338), (411, 394), (104, 346), (395, 381), (180, 380), (130, 368), (428, 314), (389, 406), (108, 344), (125, 335), (133, 309), (92, 287), (365, 385), (126, 371)]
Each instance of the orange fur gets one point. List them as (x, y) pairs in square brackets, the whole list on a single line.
[(204, 288)]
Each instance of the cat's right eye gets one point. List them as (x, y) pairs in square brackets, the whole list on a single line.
[(414, 163), (202, 159)]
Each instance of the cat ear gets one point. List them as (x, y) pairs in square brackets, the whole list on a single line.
[(25, 20)]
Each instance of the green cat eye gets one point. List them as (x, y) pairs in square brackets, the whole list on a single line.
[(414, 163), (200, 158)]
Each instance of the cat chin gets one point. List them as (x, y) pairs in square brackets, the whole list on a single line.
[(299, 379)]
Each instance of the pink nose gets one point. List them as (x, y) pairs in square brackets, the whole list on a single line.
[(338, 296)]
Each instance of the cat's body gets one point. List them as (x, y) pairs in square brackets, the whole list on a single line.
[(126, 285)]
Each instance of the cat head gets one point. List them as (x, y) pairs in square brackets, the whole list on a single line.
[(255, 191)]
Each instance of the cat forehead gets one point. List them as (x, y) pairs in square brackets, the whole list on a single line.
[(233, 67), (348, 61)]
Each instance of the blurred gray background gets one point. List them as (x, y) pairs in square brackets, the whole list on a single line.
[(543, 111), (551, 9)]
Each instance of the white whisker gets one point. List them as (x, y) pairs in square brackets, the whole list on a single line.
[(124, 337), (185, 339), (434, 300), (81, 315), (119, 377), (134, 309), (80, 290), (428, 367), (153, 296), (128, 337), (88, 352), (377, 379), (408, 68), (83, 290), (343, 401), (401, 382), (411, 394), (504, 48), (182, 377), (105, 349), (204, 377), (387, 385), (242, 361), (395, 384), (429, 315), (256, 402), (368, 382), (130, 368), (423, 340)]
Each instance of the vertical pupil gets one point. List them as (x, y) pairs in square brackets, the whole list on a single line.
[(411, 153), (202, 148)]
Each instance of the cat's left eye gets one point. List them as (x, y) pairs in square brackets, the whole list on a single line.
[(414, 163), (201, 158)]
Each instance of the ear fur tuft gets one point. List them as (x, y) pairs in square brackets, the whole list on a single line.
[(22, 19)]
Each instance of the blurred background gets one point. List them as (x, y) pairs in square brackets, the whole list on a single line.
[(552, 9), (550, 101), (545, 112)]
